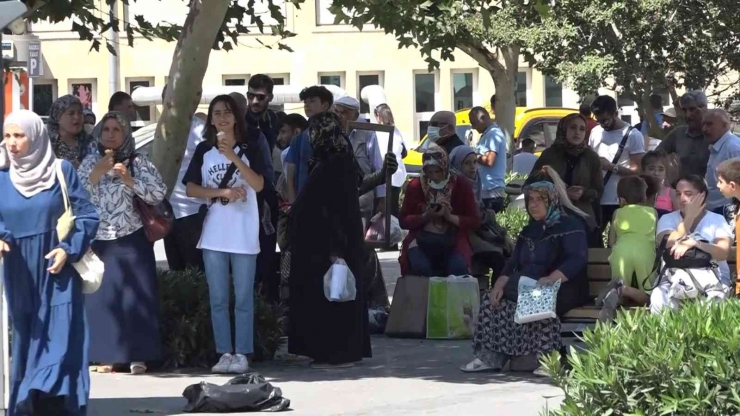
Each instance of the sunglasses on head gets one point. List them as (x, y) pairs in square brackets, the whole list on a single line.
[(260, 97)]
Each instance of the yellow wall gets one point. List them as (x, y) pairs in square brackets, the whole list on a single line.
[(317, 49)]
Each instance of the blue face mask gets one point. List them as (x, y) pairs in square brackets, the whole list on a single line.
[(433, 133)]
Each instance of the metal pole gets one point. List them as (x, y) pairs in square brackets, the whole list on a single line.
[(114, 81)]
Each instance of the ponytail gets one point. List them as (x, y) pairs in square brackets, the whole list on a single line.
[(561, 189)]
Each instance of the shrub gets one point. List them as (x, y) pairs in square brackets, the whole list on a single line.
[(676, 363), (185, 318), (513, 220)]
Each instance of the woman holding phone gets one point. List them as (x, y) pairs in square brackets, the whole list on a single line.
[(439, 211), (227, 171), (579, 167)]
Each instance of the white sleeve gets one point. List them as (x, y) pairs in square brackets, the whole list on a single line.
[(722, 229), (667, 223), (636, 143)]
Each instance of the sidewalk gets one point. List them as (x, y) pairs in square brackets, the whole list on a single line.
[(404, 377)]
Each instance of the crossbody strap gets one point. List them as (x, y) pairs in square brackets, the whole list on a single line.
[(62, 184), (617, 156), (230, 171)]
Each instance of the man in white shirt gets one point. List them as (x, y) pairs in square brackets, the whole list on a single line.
[(606, 140), (524, 160), (180, 244), (723, 145)]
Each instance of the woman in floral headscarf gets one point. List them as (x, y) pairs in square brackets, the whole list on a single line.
[(579, 167), (551, 248), (66, 130), (439, 211)]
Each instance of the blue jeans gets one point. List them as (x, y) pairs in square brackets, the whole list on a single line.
[(420, 264), (243, 267)]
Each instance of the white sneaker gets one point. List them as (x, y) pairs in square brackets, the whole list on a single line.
[(224, 364), (239, 364)]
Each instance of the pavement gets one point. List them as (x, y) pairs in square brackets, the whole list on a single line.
[(404, 377)]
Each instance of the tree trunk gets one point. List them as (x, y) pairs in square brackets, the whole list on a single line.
[(505, 80), (184, 88)]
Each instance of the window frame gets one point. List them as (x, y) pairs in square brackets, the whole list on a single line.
[(527, 86), (230, 77), (93, 93), (426, 116), (545, 79), (381, 82), (475, 94), (342, 78), (43, 81), (152, 116)]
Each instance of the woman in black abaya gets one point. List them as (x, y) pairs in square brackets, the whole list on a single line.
[(324, 223)]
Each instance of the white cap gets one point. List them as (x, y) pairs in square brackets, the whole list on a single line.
[(348, 102)]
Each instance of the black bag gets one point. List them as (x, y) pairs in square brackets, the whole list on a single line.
[(692, 259), (616, 159), (203, 210), (245, 393)]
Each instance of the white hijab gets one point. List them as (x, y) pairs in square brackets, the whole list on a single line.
[(35, 171)]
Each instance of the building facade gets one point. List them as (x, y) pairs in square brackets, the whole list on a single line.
[(324, 53)]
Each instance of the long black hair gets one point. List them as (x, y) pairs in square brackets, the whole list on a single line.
[(240, 125)]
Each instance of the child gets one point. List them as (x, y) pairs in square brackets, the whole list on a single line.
[(728, 182), (632, 238), (654, 164)]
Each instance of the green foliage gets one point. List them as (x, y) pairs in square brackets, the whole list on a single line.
[(513, 220), (676, 363), (92, 23), (185, 317)]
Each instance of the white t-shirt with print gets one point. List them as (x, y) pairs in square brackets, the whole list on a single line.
[(711, 227), (232, 227), (606, 145)]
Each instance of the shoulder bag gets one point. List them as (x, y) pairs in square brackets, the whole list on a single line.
[(622, 144), (203, 211), (90, 267), (157, 219)]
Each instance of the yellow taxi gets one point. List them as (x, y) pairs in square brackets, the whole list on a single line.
[(538, 124)]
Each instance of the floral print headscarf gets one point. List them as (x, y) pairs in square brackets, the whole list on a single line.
[(436, 156), (550, 196), (61, 149), (562, 132)]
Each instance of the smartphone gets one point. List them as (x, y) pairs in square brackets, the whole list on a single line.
[(434, 206)]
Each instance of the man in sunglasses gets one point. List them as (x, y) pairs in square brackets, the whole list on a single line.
[(259, 96), (441, 131)]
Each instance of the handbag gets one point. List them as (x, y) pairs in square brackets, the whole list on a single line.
[(618, 155), (535, 303), (157, 219), (90, 267)]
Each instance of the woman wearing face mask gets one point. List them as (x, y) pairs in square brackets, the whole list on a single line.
[(123, 313), (49, 373), (231, 228), (579, 167), (439, 210), (68, 137), (489, 242), (90, 121), (551, 248)]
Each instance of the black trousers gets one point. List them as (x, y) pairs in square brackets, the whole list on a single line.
[(267, 275), (396, 195), (180, 244)]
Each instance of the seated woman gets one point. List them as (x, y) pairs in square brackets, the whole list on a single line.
[(692, 227), (439, 211), (551, 248), (489, 243), (579, 167)]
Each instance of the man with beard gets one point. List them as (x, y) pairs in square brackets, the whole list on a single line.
[(258, 114), (687, 142)]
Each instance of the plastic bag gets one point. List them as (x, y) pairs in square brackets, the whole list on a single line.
[(339, 283), (246, 393), (535, 303), (453, 307), (376, 231)]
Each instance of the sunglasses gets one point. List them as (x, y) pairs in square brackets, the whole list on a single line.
[(260, 97)]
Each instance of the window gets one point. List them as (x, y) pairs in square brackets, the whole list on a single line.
[(86, 90), (364, 80), (332, 79), (234, 80), (43, 97), (553, 92), (462, 90), (664, 95), (280, 79), (143, 113), (521, 89), (425, 96), (624, 101), (323, 16)]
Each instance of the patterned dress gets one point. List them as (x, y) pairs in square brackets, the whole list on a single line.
[(540, 249)]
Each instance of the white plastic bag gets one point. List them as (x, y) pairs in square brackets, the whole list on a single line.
[(535, 303), (339, 283), (376, 231)]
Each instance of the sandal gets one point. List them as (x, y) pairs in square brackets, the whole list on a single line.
[(104, 368), (138, 368), (327, 366), (541, 372), (478, 366)]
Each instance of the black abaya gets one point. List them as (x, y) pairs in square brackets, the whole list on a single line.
[(325, 221)]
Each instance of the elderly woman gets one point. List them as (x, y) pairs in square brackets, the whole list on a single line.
[(489, 242), (551, 248), (123, 313), (49, 374), (68, 137), (579, 167), (439, 210), (325, 223)]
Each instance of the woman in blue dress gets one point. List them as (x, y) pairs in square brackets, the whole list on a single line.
[(49, 374)]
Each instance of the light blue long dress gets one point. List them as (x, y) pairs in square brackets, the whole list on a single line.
[(50, 333)]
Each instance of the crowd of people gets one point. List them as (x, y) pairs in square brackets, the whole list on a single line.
[(252, 179)]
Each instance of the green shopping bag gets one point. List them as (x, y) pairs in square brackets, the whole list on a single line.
[(453, 306)]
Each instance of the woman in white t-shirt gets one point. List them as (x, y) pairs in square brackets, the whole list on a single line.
[(231, 227), (693, 227)]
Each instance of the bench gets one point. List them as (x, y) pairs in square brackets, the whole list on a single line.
[(599, 275)]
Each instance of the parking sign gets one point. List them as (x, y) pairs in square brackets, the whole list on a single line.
[(35, 69)]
